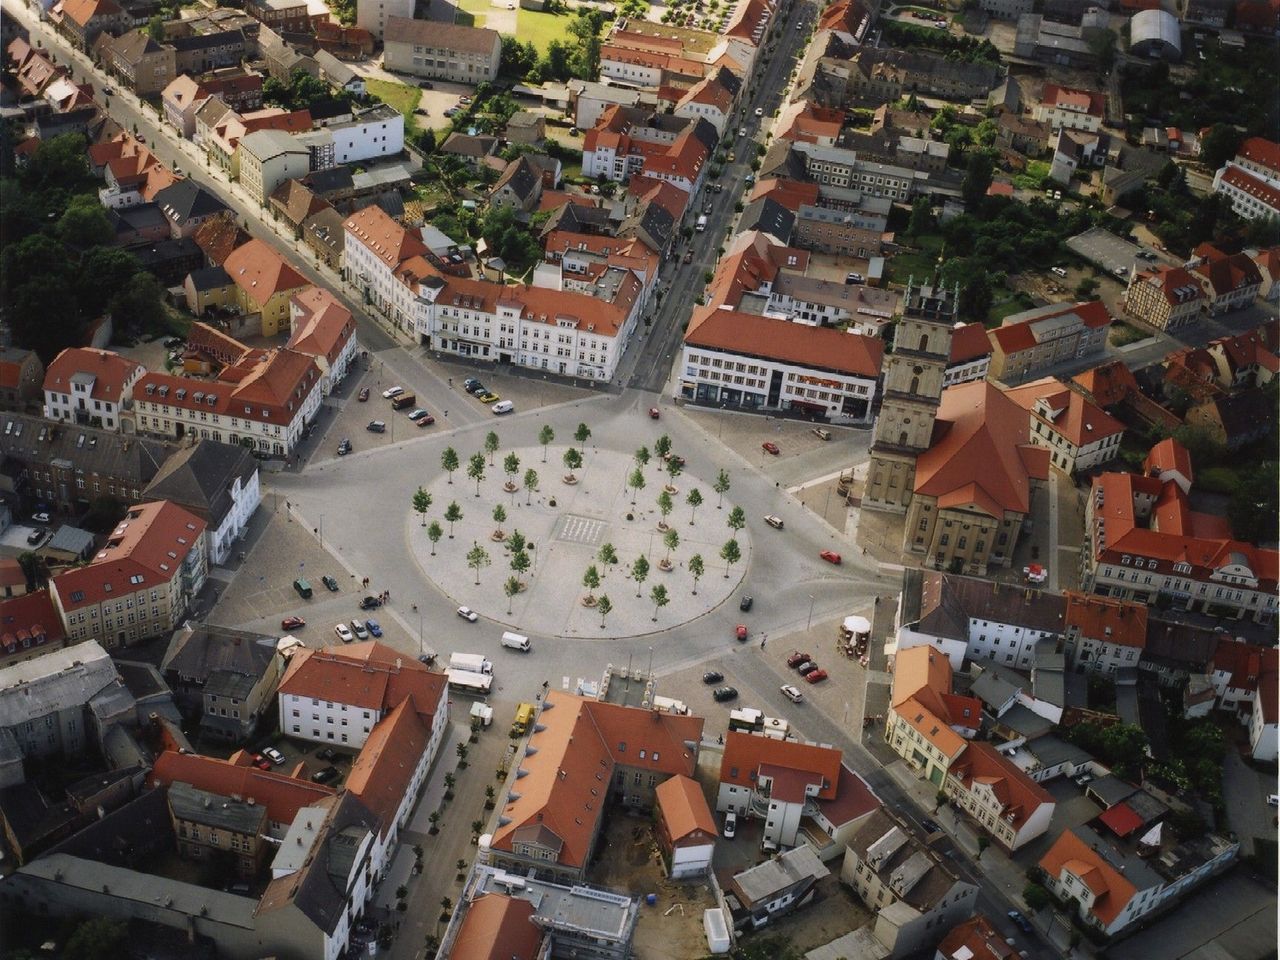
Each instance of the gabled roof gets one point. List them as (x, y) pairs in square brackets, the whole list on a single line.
[(748, 334), (383, 771), (1022, 331), (975, 939), (684, 808), (1108, 384), (1105, 619), (1079, 101), (369, 675), (497, 927), (745, 755), (1261, 151), (197, 651), (322, 325), (1065, 412), (1108, 885), (29, 620), (981, 456), (110, 372), (1018, 794), (389, 241), (297, 201), (262, 273), (201, 478), (969, 341), (187, 200), (81, 12), (218, 236), (1167, 458), (282, 795)]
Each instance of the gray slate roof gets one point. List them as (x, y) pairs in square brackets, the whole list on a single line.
[(30, 440), (200, 478), (197, 651), (59, 680), (779, 873), (187, 199), (69, 539)]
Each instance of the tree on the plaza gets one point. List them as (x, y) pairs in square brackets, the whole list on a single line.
[(662, 446), (516, 541), (491, 445), (511, 467), (530, 485), (730, 553), (421, 503), (477, 558), (582, 435), (640, 572), (499, 517), (572, 460), (697, 567), (434, 533), (636, 482), (660, 599), (591, 580), (670, 540), (694, 500), (605, 606), (449, 461), (545, 436), (721, 487), (736, 520), (520, 562), (641, 457), (452, 514), (665, 506), (475, 470), (511, 588), (673, 469), (607, 556)]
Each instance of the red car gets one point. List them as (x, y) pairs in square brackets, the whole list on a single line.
[(653, 413), (770, 447), (426, 421), (261, 762), (741, 632), (292, 623), (830, 556), (363, 395), (815, 676), (798, 658)]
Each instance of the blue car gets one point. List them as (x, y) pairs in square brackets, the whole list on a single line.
[(373, 627)]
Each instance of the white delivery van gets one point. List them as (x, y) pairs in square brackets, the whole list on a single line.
[(515, 641), (702, 223), (470, 661)]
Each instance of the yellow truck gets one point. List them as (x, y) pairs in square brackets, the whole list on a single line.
[(524, 717)]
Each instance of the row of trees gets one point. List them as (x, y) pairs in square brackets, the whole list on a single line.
[(576, 56)]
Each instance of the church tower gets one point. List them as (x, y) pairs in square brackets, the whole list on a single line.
[(912, 390)]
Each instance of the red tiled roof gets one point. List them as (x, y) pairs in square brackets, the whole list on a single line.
[(1121, 622), (272, 384), (969, 342), (81, 12), (282, 795), (1111, 889), (110, 372), (684, 808), (981, 455), (1225, 273), (322, 326), (1083, 101), (1108, 384), (1121, 819), (1018, 794), (30, 619), (853, 799), (262, 273), (383, 771), (1253, 185), (975, 939), (1018, 335), (147, 547), (1261, 151), (1068, 413), (749, 334), (497, 927), (745, 754), (368, 675), (1168, 456)]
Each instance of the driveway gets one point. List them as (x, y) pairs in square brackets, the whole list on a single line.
[(1245, 791)]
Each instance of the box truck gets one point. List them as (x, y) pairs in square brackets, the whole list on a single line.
[(702, 223), (464, 681), (516, 641), (470, 661)]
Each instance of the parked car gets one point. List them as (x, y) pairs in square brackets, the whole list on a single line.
[(344, 447), (929, 826), (1021, 922), (370, 603), (775, 522), (363, 395), (822, 433), (791, 692), (730, 825), (261, 762), (745, 603), (712, 676), (503, 406), (426, 421), (292, 623), (344, 633), (759, 111), (390, 392), (359, 629), (330, 584), (806, 668), (426, 85), (327, 753), (798, 658), (420, 414), (488, 397), (40, 517), (742, 131), (35, 536), (740, 631), (327, 775), (376, 426), (653, 413), (471, 385), (815, 676), (467, 614), (770, 447), (274, 755), (724, 694), (830, 556), (374, 628)]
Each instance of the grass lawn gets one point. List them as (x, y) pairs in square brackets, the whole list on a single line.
[(1123, 334), (919, 262), (401, 96), (541, 28), (1005, 308)]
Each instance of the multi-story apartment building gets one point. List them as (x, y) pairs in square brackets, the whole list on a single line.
[(82, 21), (915, 895), (1251, 181), (264, 399), (1230, 281), (143, 65), (1030, 342), (267, 158), (999, 796), (928, 725), (1078, 433), (141, 582), (218, 482), (209, 826), (1074, 109), (226, 678), (372, 133), (837, 167), (970, 357), (627, 141), (90, 387), (322, 328), (444, 51), (265, 284), (1168, 298), (1143, 542), (712, 99), (774, 780), (198, 53), (21, 379), (46, 702), (1104, 634)]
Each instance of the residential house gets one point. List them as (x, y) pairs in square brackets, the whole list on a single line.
[(928, 725), (711, 98), (13, 579), (975, 937), (345, 43), (218, 236), (774, 780), (142, 65), (225, 678), (1114, 885), (1104, 634), (267, 158), (758, 895), (1167, 298), (1251, 180), (425, 48), (686, 830), (1235, 420), (81, 21), (21, 378), (1229, 281), (519, 186), (338, 75), (30, 627), (970, 356), (322, 328), (324, 235), (1265, 713), (90, 387), (187, 206), (293, 203), (1034, 340), (1078, 433), (915, 895), (265, 283), (582, 755), (590, 99), (999, 796), (210, 826), (1143, 542), (474, 150), (1070, 108), (1236, 671), (141, 583), (377, 131), (199, 53), (526, 127), (217, 482)]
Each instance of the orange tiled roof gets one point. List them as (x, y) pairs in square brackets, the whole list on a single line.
[(1168, 456), (81, 12), (382, 772), (369, 675), (749, 334), (978, 939), (282, 795), (110, 372), (1019, 795), (261, 273), (272, 383), (1109, 886), (392, 243), (745, 754), (1066, 412), (1106, 619), (497, 927), (684, 808), (323, 327)]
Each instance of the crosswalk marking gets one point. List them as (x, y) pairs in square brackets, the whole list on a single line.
[(581, 530)]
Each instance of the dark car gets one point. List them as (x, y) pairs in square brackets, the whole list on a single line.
[(327, 753), (472, 385), (806, 668), (712, 676), (344, 447), (327, 775), (722, 694), (376, 426), (745, 603), (363, 395), (929, 826), (798, 658), (1020, 921), (369, 603), (329, 583)]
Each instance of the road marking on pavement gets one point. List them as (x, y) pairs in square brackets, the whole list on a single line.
[(564, 683), (581, 530)]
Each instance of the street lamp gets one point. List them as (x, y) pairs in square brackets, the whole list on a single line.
[(809, 625)]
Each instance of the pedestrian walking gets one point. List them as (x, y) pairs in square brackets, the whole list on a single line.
[(764, 638)]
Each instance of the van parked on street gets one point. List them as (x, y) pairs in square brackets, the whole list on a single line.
[(516, 641)]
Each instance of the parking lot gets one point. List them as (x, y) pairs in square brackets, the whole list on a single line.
[(1110, 253)]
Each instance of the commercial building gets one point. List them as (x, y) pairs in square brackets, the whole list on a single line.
[(1168, 298), (1031, 342), (90, 387), (443, 51), (1078, 433)]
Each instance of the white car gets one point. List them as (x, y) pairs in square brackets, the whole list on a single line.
[(359, 630), (730, 825), (40, 517), (503, 406), (344, 633), (791, 693), (759, 111), (775, 522), (742, 131), (274, 755), (392, 392), (467, 614)]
